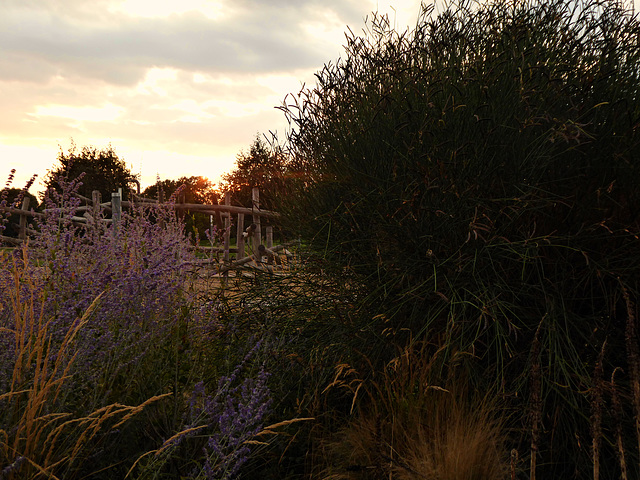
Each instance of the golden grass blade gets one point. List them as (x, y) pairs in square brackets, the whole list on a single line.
[(270, 430)]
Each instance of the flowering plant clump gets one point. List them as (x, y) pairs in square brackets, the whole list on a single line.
[(94, 317), (234, 415), (137, 264), (220, 426)]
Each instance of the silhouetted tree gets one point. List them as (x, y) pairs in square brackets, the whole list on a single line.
[(260, 167), (103, 170), (193, 189)]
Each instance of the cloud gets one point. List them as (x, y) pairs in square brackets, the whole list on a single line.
[(253, 36), (193, 80)]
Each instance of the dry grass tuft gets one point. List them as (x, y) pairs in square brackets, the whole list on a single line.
[(408, 428)]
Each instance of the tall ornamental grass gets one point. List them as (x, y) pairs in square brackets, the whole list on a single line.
[(478, 176)]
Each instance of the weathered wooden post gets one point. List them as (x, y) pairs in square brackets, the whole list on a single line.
[(96, 200), (116, 209), (227, 226), (269, 236), (255, 206), (240, 236), (22, 235)]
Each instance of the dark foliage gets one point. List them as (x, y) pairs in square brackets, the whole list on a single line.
[(192, 190), (259, 167), (14, 196), (103, 171), (479, 176)]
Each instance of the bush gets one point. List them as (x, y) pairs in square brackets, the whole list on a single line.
[(478, 175), (108, 364)]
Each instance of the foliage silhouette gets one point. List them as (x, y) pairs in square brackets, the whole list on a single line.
[(192, 190), (259, 167), (103, 170), (477, 175)]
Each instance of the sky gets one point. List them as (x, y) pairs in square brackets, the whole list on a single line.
[(177, 88)]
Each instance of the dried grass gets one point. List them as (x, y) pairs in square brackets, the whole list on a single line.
[(617, 410), (32, 431), (409, 428), (633, 357)]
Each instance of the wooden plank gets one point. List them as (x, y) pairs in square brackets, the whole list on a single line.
[(251, 258), (211, 209), (214, 249), (18, 211), (269, 236), (12, 240)]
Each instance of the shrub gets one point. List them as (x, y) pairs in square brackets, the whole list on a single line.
[(478, 174), (138, 267), (40, 432), (101, 350)]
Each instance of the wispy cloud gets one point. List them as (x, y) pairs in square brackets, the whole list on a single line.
[(192, 78)]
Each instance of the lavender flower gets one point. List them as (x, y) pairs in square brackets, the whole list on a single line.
[(234, 414), (13, 469), (140, 270)]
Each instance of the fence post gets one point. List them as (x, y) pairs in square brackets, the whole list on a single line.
[(240, 237), (227, 227), (269, 235), (116, 208), (96, 200), (255, 206), (22, 235)]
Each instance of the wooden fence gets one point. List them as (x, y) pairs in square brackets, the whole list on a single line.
[(251, 234)]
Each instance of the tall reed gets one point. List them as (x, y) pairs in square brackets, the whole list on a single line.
[(475, 174), (616, 406), (597, 405), (633, 358)]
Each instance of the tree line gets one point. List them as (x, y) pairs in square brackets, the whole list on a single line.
[(104, 170)]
